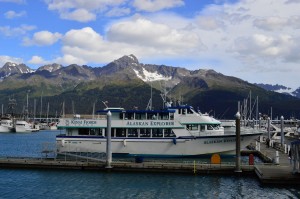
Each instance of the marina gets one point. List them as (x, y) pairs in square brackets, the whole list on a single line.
[(24, 156), (176, 140), (267, 173)]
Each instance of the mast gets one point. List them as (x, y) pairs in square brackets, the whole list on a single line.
[(47, 112), (63, 109), (94, 110), (34, 109), (26, 108), (41, 106), (250, 107)]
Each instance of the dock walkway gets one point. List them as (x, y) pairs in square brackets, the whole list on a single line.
[(281, 173)]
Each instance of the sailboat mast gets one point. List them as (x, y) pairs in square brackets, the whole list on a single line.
[(41, 106), (250, 107)]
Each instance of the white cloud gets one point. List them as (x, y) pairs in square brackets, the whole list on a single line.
[(12, 14), (117, 12), (145, 33), (270, 23), (69, 59), (16, 31), (42, 38), (82, 11), (81, 15), (293, 1), (38, 60), (156, 5), (208, 23), (4, 59), (237, 39), (86, 11)]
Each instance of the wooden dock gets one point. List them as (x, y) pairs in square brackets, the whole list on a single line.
[(281, 173), (188, 167)]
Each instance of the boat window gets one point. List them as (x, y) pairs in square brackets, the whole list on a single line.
[(138, 116), (151, 116), (129, 116), (183, 111), (171, 116), (169, 133), (163, 116), (121, 116), (88, 131), (202, 127), (132, 133), (179, 111), (209, 127), (120, 132), (189, 111), (216, 126), (156, 132), (83, 131), (145, 132), (94, 131), (192, 127)]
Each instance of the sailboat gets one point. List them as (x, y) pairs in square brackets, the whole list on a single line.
[(23, 125)]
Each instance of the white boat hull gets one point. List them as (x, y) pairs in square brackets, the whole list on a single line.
[(23, 127), (154, 146), (6, 129)]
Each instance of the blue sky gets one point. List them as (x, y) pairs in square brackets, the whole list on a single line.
[(257, 41)]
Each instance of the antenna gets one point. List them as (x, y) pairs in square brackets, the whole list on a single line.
[(105, 103)]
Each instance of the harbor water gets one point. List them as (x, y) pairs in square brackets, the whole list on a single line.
[(38, 183)]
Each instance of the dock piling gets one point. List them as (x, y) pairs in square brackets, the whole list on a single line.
[(238, 143), (282, 134), (277, 157), (108, 142)]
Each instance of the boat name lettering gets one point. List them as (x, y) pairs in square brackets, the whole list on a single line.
[(81, 122), (149, 123), (218, 141)]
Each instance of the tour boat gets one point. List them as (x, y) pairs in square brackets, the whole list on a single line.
[(174, 131)]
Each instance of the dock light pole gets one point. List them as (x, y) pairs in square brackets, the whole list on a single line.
[(108, 142), (282, 134), (238, 142)]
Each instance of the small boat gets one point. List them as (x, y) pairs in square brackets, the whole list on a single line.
[(23, 126), (6, 125), (172, 132)]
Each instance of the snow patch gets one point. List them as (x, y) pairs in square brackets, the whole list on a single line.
[(131, 57), (150, 76), (288, 91)]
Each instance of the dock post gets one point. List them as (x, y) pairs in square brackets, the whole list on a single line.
[(269, 125), (238, 142), (108, 142), (281, 133), (277, 157)]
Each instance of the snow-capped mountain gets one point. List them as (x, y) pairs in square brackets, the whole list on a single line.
[(281, 89), (50, 67), (11, 68)]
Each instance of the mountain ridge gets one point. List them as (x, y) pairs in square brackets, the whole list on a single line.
[(119, 81)]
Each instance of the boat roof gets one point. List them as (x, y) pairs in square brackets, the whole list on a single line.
[(180, 107), (119, 110)]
